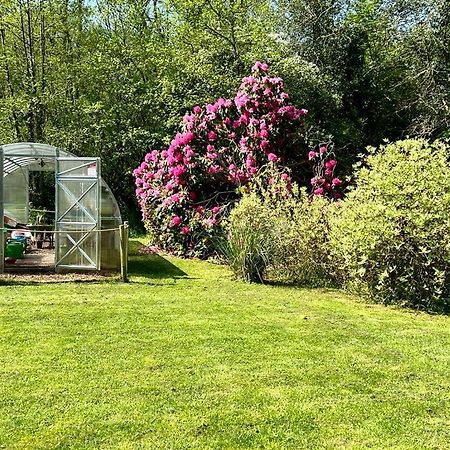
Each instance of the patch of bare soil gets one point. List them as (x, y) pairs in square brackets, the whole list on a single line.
[(48, 277)]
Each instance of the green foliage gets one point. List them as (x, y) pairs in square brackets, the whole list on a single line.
[(302, 252), (383, 64), (249, 243), (280, 234), (391, 235)]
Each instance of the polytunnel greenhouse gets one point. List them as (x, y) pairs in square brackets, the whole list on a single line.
[(81, 233)]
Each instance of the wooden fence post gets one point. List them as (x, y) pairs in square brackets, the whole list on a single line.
[(127, 235), (123, 233), (2, 249)]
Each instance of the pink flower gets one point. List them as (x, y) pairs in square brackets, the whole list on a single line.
[(248, 80), (272, 157), (177, 171), (185, 138), (212, 109), (169, 185), (323, 149), (197, 109), (211, 222), (250, 161), (263, 67), (199, 210), (241, 99), (330, 164), (176, 220), (264, 133), (188, 118), (318, 191), (212, 135), (264, 144), (214, 169), (312, 155), (285, 177), (244, 119), (188, 151), (216, 209), (185, 230), (336, 182), (176, 198)]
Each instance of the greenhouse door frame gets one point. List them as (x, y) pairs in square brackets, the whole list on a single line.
[(89, 224)]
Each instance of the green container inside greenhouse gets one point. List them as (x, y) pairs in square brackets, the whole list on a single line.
[(15, 249)]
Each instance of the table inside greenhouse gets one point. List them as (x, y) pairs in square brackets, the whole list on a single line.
[(41, 234)]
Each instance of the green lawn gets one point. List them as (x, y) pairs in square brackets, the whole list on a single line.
[(184, 357)]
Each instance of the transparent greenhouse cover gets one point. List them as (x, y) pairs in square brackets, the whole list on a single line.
[(84, 201)]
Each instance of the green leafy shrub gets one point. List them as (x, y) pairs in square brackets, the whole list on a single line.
[(391, 235), (302, 249)]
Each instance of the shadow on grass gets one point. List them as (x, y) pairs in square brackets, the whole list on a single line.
[(153, 267)]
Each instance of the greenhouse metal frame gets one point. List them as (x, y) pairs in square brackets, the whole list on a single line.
[(87, 217)]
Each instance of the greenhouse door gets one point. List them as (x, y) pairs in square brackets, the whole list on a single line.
[(77, 220)]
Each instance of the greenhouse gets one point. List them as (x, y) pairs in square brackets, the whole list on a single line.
[(80, 232)]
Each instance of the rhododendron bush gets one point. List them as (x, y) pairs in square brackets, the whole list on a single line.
[(186, 189)]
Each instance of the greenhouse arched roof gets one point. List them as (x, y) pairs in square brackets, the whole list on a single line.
[(29, 154)]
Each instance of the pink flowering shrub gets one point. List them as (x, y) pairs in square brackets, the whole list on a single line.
[(185, 190), (324, 183)]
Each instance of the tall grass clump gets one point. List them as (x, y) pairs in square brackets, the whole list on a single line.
[(249, 242)]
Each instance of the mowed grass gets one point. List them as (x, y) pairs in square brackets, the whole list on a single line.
[(183, 357)]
